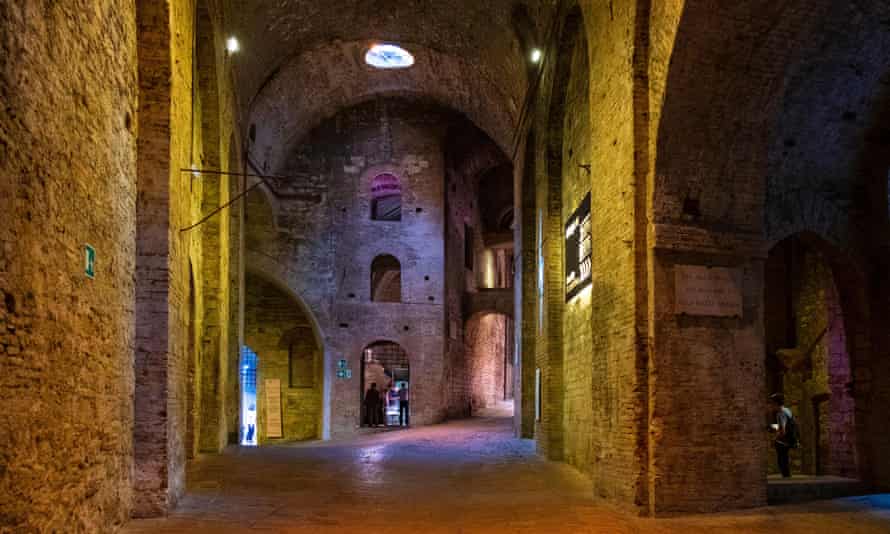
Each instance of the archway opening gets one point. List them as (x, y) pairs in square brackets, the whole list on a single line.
[(385, 385), (808, 360), (289, 383), (488, 339)]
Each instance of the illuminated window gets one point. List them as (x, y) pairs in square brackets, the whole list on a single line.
[(386, 198), (388, 56)]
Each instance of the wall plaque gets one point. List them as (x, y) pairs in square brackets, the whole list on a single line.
[(578, 250), (273, 408), (712, 291)]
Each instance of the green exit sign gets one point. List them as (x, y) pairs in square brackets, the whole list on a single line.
[(89, 261)]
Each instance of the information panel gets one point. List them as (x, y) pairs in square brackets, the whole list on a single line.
[(578, 250), (273, 408), (711, 291)]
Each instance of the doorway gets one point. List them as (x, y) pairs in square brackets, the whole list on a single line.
[(248, 375), (489, 346), (808, 358), (385, 367)]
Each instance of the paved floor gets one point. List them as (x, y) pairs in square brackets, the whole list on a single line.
[(459, 477)]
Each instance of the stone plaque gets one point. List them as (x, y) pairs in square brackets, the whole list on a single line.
[(273, 408), (712, 291)]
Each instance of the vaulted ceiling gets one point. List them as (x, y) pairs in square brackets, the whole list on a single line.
[(302, 61)]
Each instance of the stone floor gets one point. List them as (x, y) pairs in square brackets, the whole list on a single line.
[(460, 477)]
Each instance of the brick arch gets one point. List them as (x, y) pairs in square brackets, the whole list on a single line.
[(848, 309), (270, 274), (282, 330), (291, 104), (717, 165), (712, 87)]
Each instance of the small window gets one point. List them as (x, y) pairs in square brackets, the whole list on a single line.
[(386, 279), (386, 198)]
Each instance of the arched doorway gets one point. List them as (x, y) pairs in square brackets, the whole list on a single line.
[(808, 356), (488, 340), (289, 379), (385, 367)]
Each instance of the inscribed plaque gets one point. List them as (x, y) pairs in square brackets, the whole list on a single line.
[(273, 408), (712, 291)]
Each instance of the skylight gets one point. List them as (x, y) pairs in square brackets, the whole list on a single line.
[(388, 56)]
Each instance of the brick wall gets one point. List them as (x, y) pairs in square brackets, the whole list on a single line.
[(486, 339), (587, 347), (67, 179), (322, 250), (183, 351)]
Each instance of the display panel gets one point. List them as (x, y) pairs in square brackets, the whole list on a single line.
[(578, 250)]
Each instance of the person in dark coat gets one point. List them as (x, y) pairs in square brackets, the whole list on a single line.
[(372, 405)]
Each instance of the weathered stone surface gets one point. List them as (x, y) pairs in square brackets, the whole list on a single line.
[(67, 179)]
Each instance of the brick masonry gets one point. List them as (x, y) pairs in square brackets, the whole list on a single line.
[(66, 340), (711, 136)]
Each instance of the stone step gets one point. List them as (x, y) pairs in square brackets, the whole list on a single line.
[(812, 488)]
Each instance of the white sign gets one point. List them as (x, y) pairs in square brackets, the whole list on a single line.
[(712, 291), (273, 408)]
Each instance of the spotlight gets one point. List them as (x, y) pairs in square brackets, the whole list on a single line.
[(232, 45), (536, 55)]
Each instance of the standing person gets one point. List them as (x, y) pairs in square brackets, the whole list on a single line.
[(785, 428), (384, 405), (372, 405), (403, 405)]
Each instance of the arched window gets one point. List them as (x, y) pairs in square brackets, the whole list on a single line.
[(386, 279), (386, 198)]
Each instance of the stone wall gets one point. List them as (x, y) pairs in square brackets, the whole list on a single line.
[(67, 180)]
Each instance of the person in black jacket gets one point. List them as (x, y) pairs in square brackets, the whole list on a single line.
[(372, 405)]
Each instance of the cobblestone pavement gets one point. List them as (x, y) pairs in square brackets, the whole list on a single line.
[(460, 477)]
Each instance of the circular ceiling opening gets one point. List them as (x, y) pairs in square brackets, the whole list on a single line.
[(388, 56)]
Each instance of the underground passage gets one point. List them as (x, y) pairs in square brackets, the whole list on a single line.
[(445, 266)]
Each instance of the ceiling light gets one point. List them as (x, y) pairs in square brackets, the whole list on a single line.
[(536, 55), (388, 56), (232, 45)]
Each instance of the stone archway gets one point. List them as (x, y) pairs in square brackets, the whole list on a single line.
[(282, 333), (386, 368), (808, 354)]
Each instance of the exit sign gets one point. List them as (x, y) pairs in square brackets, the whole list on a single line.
[(89, 261)]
